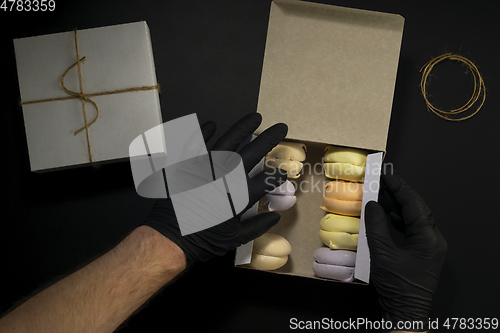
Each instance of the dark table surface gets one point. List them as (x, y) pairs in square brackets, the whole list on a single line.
[(208, 57)]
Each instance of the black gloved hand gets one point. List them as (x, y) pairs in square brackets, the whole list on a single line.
[(226, 236), (407, 252)]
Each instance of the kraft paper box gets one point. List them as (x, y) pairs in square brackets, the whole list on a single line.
[(329, 73), (116, 62)]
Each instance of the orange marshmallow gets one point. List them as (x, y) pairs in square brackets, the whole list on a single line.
[(344, 207), (340, 189)]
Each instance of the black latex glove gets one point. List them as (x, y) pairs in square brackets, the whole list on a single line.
[(226, 236), (407, 252)]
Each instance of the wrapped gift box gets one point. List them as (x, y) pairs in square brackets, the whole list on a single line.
[(117, 76), (329, 73)]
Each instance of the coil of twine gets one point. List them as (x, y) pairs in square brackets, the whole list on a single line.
[(479, 88)]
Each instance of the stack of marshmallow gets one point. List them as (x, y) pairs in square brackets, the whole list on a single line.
[(270, 251), (287, 156), (342, 200)]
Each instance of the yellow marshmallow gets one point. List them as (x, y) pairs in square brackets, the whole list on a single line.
[(292, 151), (270, 252), (344, 171), (271, 245), (267, 263), (293, 168), (337, 240), (334, 222), (345, 155)]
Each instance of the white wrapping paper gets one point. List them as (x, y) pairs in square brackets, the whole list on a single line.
[(116, 57)]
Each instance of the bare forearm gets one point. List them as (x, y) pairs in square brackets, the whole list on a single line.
[(103, 294)]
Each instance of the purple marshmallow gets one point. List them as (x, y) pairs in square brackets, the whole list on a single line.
[(286, 188), (280, 202), (324, 255), (341, 273)]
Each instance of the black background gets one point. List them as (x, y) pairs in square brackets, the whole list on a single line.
[(208, 57)]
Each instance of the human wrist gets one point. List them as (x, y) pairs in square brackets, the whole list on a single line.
[(164, 254)]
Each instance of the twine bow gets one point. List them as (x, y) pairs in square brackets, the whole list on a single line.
[(84, 97)]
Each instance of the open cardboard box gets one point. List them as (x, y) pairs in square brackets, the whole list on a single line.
[(329, 73)]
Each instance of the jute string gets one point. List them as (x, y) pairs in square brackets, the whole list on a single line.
[(84, 97), (479, 88)]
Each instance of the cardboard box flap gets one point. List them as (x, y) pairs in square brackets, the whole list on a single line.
[(329, 73)]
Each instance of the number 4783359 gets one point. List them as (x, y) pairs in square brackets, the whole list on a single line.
[(28, 5)]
